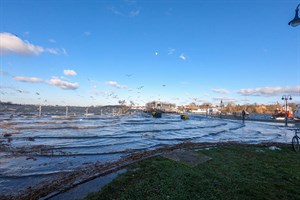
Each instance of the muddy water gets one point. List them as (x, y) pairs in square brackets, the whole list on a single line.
[(34, 149)]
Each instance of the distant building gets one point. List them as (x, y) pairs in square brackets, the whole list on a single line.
[(211, 110), (199, 110), (158, 105), (263, 106)]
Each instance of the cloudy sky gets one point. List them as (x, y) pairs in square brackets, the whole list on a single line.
[(76, 52)]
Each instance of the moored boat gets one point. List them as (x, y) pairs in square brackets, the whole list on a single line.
[(87, 113), (156, 114), (281, 114), (184, 116)]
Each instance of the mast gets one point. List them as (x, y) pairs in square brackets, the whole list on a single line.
[(40, 110), (66, 111)]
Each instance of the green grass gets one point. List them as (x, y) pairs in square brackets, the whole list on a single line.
[(235, 172)]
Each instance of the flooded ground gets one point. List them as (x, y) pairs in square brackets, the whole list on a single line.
[(34, 151)]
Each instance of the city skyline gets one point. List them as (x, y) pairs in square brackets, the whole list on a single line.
[(97, 53)]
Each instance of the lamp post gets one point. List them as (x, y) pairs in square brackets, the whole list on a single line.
[(221, 105), (286, 98), (207, 110), (296, 20)]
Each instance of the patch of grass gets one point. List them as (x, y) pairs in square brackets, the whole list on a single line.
[(235, 172)]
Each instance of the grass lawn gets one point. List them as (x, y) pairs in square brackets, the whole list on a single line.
[(234, 172)]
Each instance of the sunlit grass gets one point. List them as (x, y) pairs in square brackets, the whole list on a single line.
[(235, 172)]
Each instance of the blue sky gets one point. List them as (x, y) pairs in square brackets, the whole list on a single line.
[(99, 52)]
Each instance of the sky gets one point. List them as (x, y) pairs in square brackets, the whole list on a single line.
[(88, 52)]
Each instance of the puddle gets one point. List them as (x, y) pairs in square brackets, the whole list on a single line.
[(82, 190)]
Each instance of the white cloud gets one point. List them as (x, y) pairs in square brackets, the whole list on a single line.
[(62, 78), (221, 91), (12, 44), (56, 51), (182, 57), (127, 10), (63, 84), (134, 13), (114, 10), (64, 51), (171, 51), (52, 40), (69, 72), (53, 51), (270, 91), (115, 84), (53, 81), (28, 79)]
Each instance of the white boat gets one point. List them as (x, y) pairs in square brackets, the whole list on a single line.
[(279, 118), (199, 111), (59, 117), (281, 114), (87, 113)]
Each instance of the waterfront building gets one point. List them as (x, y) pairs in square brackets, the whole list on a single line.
[(159, 105)]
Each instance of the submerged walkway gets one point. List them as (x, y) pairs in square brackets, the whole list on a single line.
[(75, 179)]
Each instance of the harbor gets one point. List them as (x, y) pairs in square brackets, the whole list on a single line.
[(37, 150), (133, 99)]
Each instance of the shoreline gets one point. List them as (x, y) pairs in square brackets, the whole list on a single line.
[(70, 180)]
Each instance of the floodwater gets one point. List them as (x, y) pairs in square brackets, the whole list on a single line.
[(34, 149)]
